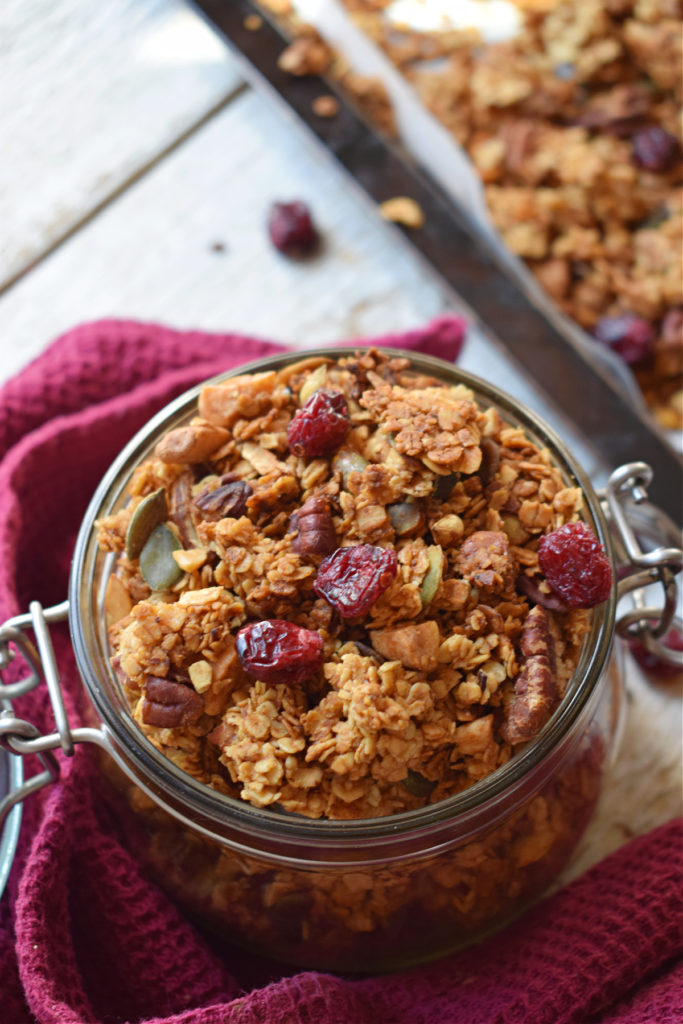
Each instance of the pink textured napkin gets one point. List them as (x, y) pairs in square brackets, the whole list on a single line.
[(85, 937)]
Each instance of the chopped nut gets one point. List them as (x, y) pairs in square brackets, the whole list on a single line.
[(191, 444), (447, 530), (245, 396), (191, 559), (326, 106), (200, 674), (403, 210), (252, 22), (308, 55), (414, 646)]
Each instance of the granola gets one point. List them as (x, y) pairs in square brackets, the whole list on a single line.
[(574, 127), (445, 651)]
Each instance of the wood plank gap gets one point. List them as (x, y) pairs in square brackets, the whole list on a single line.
[(124, 186)]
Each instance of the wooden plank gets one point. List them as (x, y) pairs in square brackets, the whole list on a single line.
[(153, 254), (187, 244), (92, 93)]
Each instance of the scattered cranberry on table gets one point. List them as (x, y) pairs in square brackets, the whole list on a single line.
[(320, 426), (291, 228), (575, 565), (655, 149), (351, 579), (630, 336), (277, 651)]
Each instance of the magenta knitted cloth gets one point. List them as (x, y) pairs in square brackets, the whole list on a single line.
[(85, 937)]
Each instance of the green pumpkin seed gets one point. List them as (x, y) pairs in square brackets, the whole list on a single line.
[(417, 785), (157, 564), (150, 513), (405, 516), (346, 462), (430, 584)]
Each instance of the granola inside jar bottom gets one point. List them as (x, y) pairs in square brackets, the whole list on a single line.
[(379, 906), (359, 894)]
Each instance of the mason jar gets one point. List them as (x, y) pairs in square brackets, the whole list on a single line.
[(364, 894)]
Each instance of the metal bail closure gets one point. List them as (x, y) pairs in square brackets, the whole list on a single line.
[(640, 532), (18, 736)]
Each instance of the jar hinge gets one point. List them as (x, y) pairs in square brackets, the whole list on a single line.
[(17, 735), (636, 522)]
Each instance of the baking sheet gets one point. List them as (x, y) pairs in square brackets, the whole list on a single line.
[(432, 146)]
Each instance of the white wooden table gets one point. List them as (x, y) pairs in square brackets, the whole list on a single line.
[(138, 168)]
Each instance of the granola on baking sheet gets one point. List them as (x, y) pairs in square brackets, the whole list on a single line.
[(574, 126), (327, 596)]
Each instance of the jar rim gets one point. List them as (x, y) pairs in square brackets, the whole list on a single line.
[(165, 779)]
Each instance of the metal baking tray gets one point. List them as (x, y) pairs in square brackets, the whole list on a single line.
[(575, 379)]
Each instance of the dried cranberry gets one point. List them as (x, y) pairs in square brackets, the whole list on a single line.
[(575, 565), (654, 665), (276, 651), (320, 426), (628, 335), (291, 228), (655, 149), (353, 578)]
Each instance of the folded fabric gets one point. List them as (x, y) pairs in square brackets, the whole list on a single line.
[(86, 937)]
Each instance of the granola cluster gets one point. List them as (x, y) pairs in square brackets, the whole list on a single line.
[(574, 126), (447, 649)]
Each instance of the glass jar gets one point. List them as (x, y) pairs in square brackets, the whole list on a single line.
[(352, 895)]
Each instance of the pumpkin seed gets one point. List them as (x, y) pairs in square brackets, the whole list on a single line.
[(417, 785), (405, 516), (432, 579), (346, 462), (150, 513), (157, 564)]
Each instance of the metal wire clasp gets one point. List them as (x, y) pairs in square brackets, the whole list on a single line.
[(16, 734), (644, 564)]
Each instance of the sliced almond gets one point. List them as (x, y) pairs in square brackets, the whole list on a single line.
[(191, 559), (403, 210), (117, 601), (313, 383), (260, 458)]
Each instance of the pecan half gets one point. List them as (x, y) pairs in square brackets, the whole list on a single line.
[(536, 693), (180, 509), (168, 705), (227, 501), (315, 528)]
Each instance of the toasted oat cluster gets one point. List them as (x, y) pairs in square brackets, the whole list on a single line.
[(574, 127), (327, 596)]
